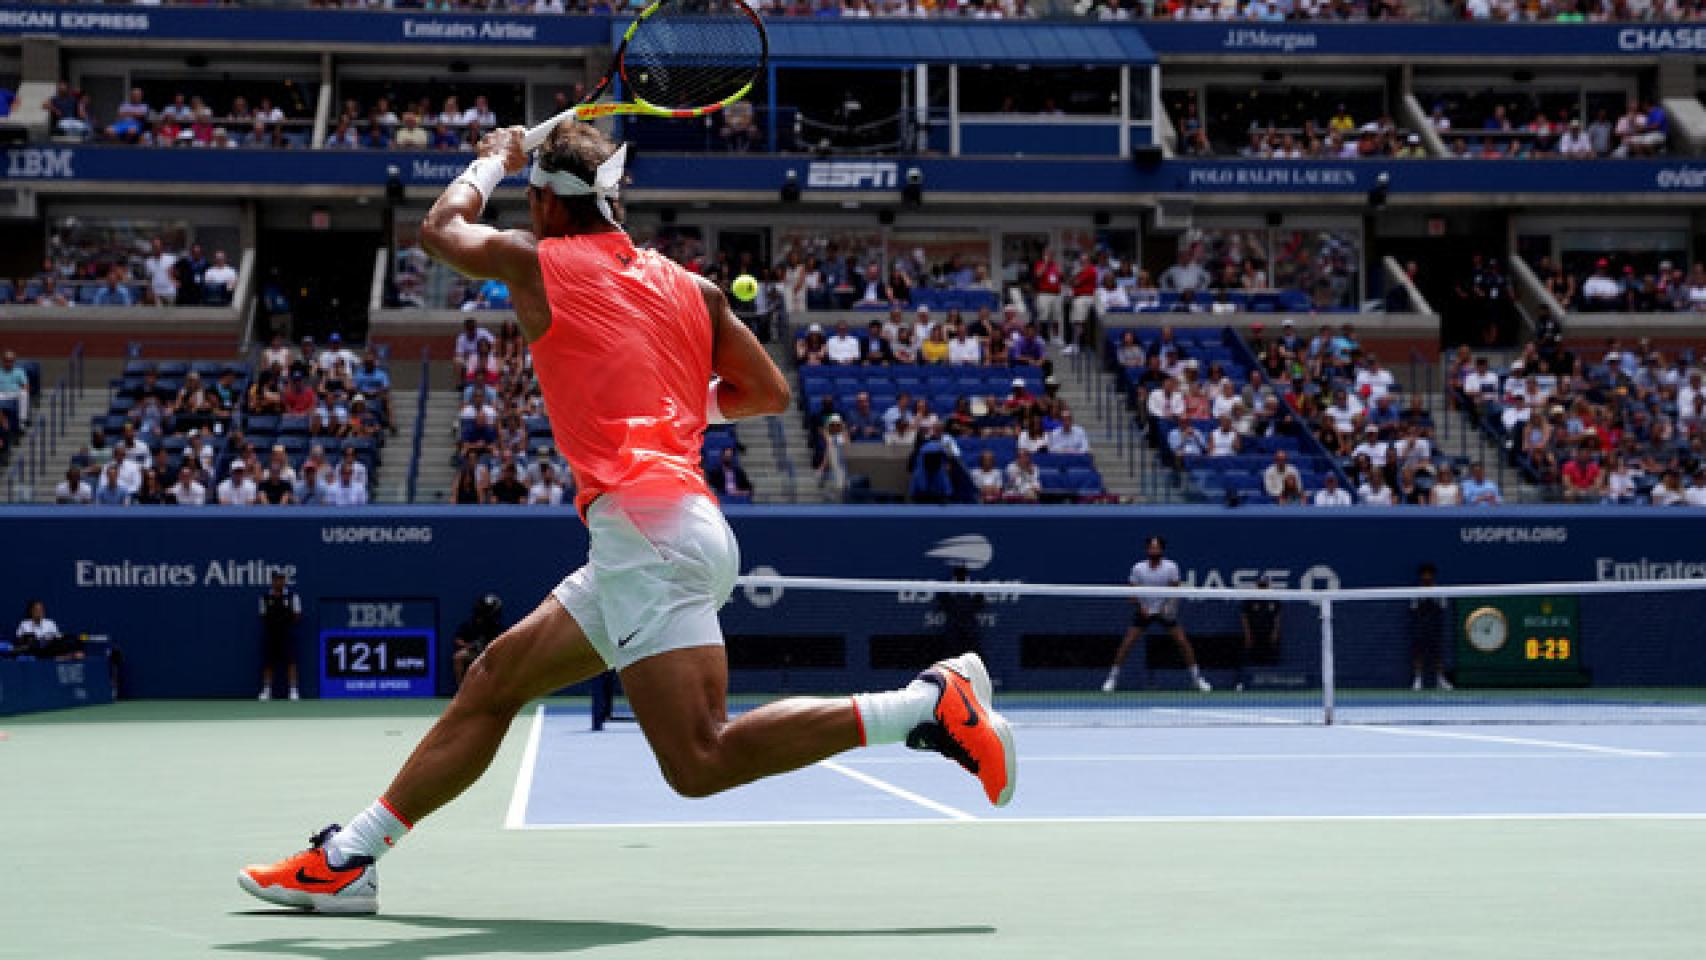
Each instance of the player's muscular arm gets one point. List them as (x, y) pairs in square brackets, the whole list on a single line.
[(453, 234), (751, 384)]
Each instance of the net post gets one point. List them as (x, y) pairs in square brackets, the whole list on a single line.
[(1327, 678)]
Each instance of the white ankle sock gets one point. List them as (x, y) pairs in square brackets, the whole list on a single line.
[(889, 717), (372, 833)]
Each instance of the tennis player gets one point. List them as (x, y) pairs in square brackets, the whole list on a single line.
[(1155, 570), (626, 344)]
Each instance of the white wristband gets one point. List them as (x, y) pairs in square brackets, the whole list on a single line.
[(714, 412), (484, 175)]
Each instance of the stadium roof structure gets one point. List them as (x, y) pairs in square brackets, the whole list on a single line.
[(902, 44)]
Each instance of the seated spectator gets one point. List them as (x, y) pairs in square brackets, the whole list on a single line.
[(131, 119), (274, 490), (934, 350), (38, 636), (1223, 440), (1292, 493), (1185, 441), (237, 489), (299, 396), (863, 423), (114, 292), (1601, 291), (1374, 492), (1669, 492), (411, 135), (547, 491), (311, 489), (468, 342), (878, 352), (73, 489), (964, 350), (1032, 439), (811, 350), (905, 347), (986, 478), (349, 491), (1068, 437), (1028, 349), (1130, 354), (187, 492), (357, 469), (843, 348), (1331, 494), (726, 478), (1275, 476), (69, 111), (1024, 480), (1695, 495), (1581, 476), (110, 493)]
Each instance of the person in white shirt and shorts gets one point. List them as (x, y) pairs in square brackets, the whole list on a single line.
[(1155, 571)]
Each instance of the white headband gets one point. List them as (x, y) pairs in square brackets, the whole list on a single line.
[(606, 181)]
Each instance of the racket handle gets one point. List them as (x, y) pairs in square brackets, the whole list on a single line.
[(531, 140)]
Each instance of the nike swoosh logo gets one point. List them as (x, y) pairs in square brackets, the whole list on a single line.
[(971, 712), (303, 876), (624, 260), (624, 641)]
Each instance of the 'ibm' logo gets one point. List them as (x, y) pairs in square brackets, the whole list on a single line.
[(39, 164)]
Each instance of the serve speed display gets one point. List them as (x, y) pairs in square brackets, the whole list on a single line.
[(378, 648)]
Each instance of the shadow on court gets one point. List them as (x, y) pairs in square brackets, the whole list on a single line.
[(474, 937)]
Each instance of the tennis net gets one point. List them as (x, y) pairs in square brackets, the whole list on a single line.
[(1516, 653)]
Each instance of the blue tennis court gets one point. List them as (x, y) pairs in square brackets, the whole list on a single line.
[(573, 778)]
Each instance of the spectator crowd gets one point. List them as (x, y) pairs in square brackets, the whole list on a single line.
[(302, 426), (504, 449), (1625, 284), (120, 275), (1626, 428)]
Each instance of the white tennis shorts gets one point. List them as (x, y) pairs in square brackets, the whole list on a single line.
[(655, 576)]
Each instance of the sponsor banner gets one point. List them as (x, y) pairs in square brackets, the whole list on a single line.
[(1456, 40), (52, 163), (319, 27), (818, 41), (177, 589)]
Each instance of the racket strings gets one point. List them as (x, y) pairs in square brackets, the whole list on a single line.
[(691, 55)]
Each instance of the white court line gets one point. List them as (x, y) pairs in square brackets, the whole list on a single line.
[(516, 819), (1158, 819), (1519, 741), (1210, 757), (1241, 716), (895, 791)]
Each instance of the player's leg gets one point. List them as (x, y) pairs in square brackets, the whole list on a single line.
[(266, 680), (1188, 654), (678, 697), (1132, 633), (337, 874), (290, 673), (546, 651), (1417, 647)]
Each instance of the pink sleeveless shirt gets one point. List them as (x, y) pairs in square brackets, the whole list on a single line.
[(624, 367)]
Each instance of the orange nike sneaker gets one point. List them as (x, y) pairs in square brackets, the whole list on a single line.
[(308, 880), (966, 730)]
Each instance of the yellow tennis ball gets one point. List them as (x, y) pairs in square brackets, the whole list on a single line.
[(745, 287)]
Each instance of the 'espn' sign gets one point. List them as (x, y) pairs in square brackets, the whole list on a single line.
[(853, 175)]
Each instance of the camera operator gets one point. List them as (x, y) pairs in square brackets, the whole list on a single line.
[(477, 633)]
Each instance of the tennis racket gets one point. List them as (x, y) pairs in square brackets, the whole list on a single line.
[(679, 58)]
